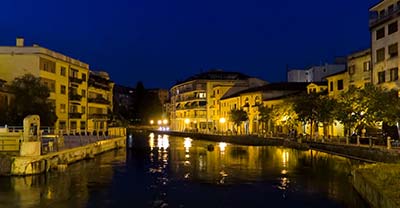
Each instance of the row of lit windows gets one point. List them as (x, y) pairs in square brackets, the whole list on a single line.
[(339, 85)]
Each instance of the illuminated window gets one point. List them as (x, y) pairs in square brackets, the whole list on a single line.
[(394, 74), (393, 50), (367, 66), (380, 55), (381, 77), (392, 28), (380, 33), (62, 108)]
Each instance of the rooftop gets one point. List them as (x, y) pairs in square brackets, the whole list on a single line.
[(217, 74)]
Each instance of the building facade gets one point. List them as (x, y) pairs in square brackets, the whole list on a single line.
[(66, 78), (384, 21), (315, 73), (195, 102), (100, 101)]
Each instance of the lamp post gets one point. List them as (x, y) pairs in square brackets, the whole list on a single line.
[(187, 121), (222, 121)]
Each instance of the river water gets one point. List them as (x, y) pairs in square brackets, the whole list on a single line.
[(167, 171)]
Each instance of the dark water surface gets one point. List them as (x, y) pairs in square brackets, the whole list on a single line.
[(164, 171)]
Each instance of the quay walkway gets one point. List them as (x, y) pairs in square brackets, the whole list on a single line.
[(54, 151)]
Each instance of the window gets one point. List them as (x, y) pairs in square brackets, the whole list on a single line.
[(73, 125), (83, 109), (84, 77), (62, 125), (63, 89), (340, 84), (394, 74), (352, 69), (382, 13), (380, 33), (380, 55), (392, 28), (331, 86), (381, 77), (391, 8), (367, 66), (62, 108), (47, 65), (83, 125), (83, 93), (393, 50), (51, 84), (63, 71)]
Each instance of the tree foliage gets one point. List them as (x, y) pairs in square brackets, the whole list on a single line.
[(31, 97), (237, 116)]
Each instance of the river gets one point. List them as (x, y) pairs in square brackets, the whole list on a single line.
[(167, 171)]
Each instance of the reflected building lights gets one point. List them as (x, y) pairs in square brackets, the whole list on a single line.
[(222, 146), (187, 144), (151, 141), (285, 158)]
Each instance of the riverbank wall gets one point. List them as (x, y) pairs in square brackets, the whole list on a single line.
[(29, 165), (378, 184)]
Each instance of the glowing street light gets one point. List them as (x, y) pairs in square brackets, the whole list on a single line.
[(151, 122), (165, 121), (159, 122), (187, 121)]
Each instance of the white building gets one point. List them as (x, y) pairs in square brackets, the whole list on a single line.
[(315, 73)]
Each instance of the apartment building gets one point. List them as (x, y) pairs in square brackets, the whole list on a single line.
[(195, 102), (100, 101), (66, 78), (314, 73), (385, 37)]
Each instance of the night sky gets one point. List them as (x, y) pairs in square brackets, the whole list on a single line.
[(162, 41)]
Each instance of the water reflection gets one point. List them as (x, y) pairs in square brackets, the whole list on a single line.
[(55, 188)]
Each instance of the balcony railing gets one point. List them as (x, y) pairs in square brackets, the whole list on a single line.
[(74, 97), (99, 100), (98, 116), (75, 80), (375, 18), (190, 99), (75, 115)]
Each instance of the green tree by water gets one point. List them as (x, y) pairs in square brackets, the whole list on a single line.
[(238, 116), (30, 97)]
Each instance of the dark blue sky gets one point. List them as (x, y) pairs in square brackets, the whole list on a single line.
[(161, 41)]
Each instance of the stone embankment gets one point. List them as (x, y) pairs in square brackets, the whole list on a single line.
[(378, 184), (28, 165)]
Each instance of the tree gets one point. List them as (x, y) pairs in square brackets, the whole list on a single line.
[(238, 116), (284, 115), (31, 97), (265, 116)]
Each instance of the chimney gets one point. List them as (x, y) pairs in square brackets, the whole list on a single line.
[(20, 42)]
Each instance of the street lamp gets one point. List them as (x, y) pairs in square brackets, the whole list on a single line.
[(187, 121), (151, 122), (222, 121), (165, 121), (159, 122)]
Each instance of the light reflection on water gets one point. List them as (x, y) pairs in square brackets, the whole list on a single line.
[(167, 171)]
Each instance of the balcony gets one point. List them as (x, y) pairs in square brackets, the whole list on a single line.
[(102, 116), (75, 115), (99, 100), (75, 97), (75, 80), (375, 19), (99, 85)]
